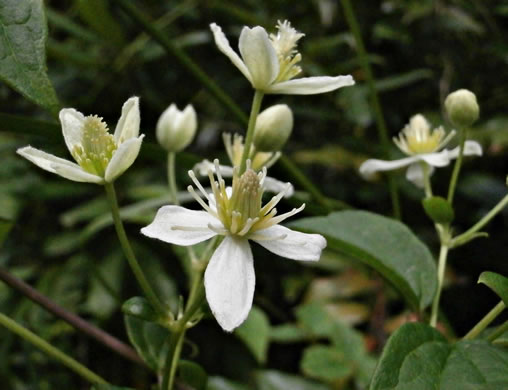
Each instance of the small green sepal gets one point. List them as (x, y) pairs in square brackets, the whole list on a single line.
[(438, 209)]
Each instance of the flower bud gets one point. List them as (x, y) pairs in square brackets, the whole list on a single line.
[(462, 108), (176, 129), (273, 128)]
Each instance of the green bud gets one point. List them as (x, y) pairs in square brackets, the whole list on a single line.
[(462, 108), (438, 209), (273, 128), (176, 129), (140, 308)]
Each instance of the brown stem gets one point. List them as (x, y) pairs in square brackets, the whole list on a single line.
[(77, 322)]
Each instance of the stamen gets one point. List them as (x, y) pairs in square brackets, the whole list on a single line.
[(217, 229), (200, 201), (192, 175), (447, 139), (247, 226), (235, 221), (275, 200), (282, 217)]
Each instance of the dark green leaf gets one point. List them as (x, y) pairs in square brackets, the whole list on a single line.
[(498, 283), (383, 243), (255, 333), (23, 33), (287, 333), (418, 357), (5, 227), (192, 374), (150, 341)]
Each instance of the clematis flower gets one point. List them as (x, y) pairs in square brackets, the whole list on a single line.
[(269, 62), (101, 157), (237, 214), (424, 147), (259, 160)]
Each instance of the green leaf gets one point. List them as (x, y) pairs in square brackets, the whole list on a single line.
[(418, 357), (383, 243), (438, 209), (220, 383), (255, 333), (110, 387), (140, 308), (325, 363), (150, 341), (288, 333), (23, 33), (96, 14), (276, 380), (497, 283), (192, 374)]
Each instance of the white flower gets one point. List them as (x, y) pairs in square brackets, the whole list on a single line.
[(237, 214), (260, 160), (100, 156), (270, 62), (423, 146), (175, 129)]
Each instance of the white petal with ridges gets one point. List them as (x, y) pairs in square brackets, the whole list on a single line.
[(471, 148), (223, 44), (295, 245), (414, 174), (128, 124), (259, 56), (438, 159), (273, 185), (194, 223), (123, 158), (230, 282), (311, 85), (58, 165), (72, 126), (371, 166)]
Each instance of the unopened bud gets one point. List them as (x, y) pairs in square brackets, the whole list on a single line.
[(176, 129), (462, 108), (273, 128)]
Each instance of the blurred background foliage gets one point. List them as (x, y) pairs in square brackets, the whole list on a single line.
[(314, 327)]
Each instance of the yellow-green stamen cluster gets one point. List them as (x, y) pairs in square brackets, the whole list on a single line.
[(97, 146), (284, 43), (234, 149), (417, 138), (240, 209)]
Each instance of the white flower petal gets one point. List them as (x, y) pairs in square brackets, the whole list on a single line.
[(223, 44), (371, 166), (58, 165), (230, 282), (438, 159), (259, 56), (471, 148), (295, 245), (123, 158), (273, 185), (72, 126), (414, 174), (168, 217), (311, 85), (128, 124)]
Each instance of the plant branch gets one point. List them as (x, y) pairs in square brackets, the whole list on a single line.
[(485, 321)]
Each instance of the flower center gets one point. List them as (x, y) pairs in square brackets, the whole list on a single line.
[(97, 146), (239, 208), (234, 149), (284, 43), (417, 138)]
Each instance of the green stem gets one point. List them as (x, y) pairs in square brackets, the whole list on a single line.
[(440, 278), (456, 167), (172, 178), (376, 105), (498, 332), (47, 348), (467, 235), (254, 111), (129, 253), (426, 180), (485, 321)]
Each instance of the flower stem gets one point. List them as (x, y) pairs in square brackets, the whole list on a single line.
[(456, 167), (129, 253), (443, 253), (466, 236), (254, 111), (426, 180), (47, 348), (498, 332), (172, 178), (376, 105), (485, 321)]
